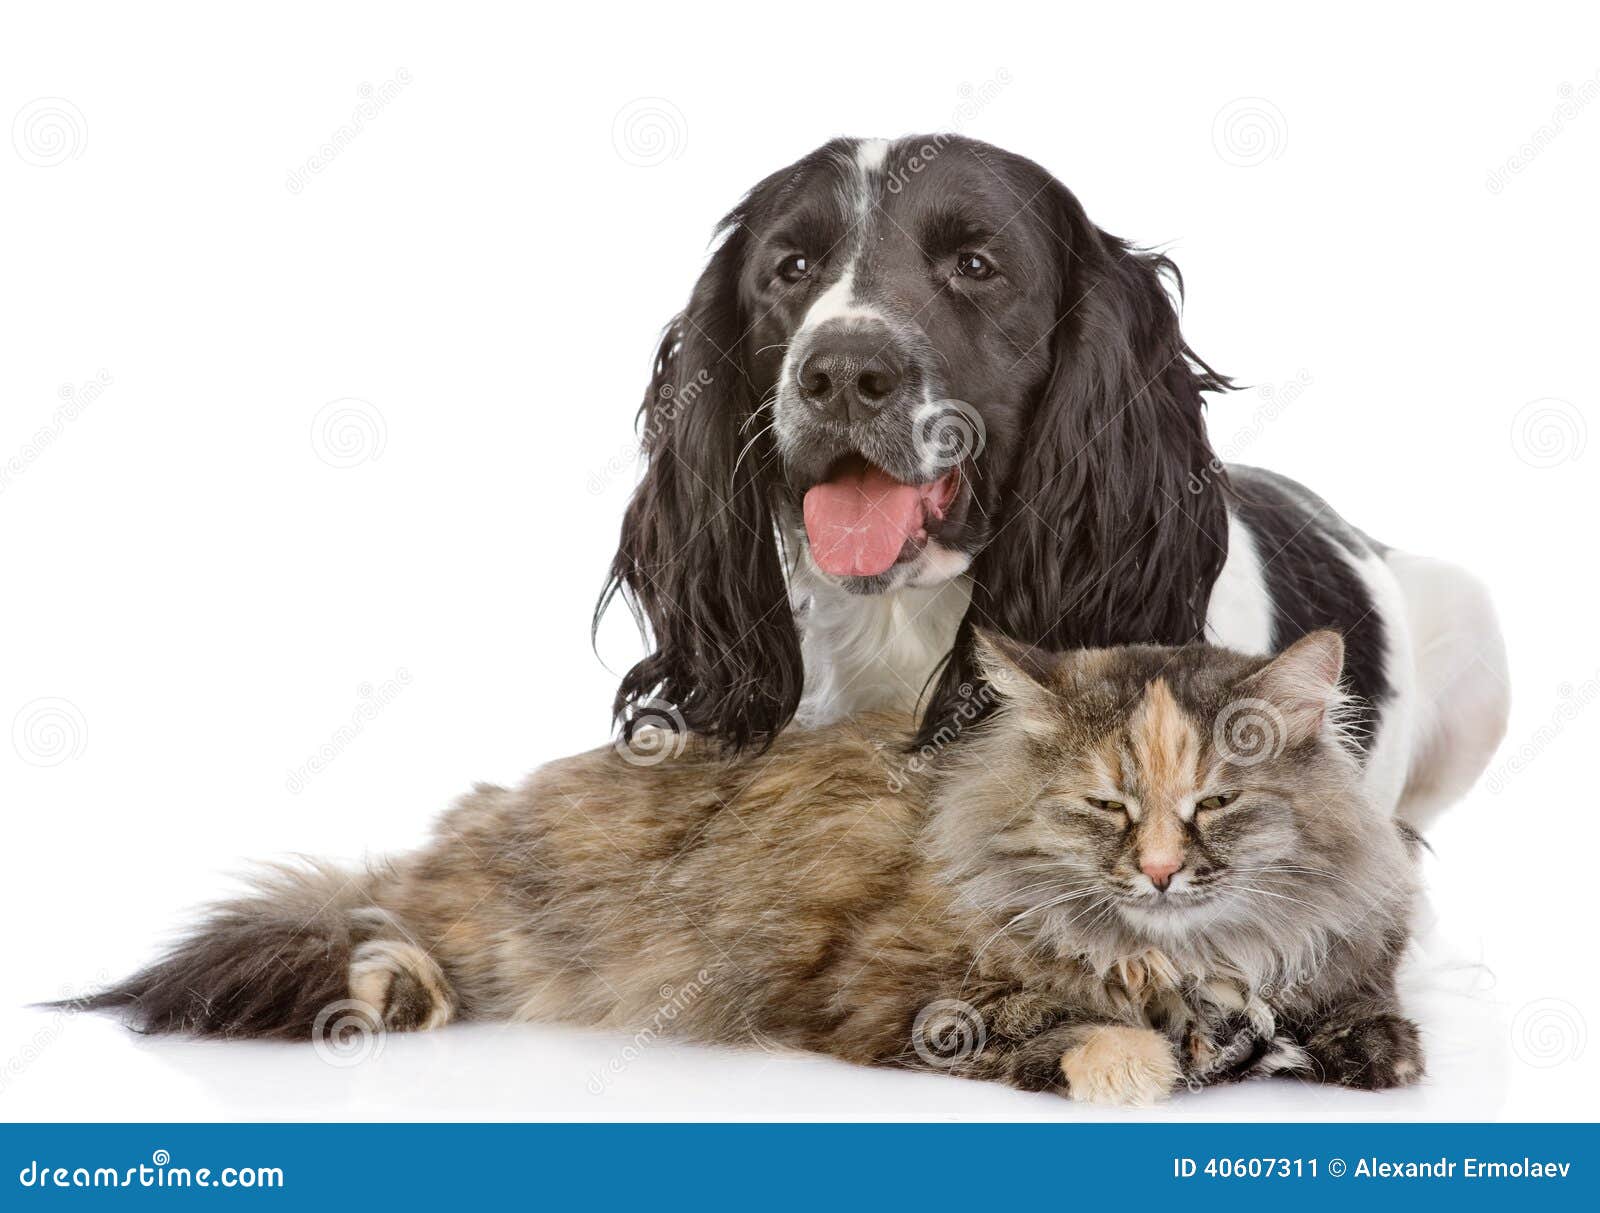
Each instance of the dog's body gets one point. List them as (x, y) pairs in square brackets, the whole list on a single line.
[(915, 393)]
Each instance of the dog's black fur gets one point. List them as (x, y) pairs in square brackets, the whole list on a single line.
[(1097, 511)]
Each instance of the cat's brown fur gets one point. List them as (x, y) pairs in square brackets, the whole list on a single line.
[(974, 913)]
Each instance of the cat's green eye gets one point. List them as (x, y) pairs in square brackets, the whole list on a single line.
[(1220, 801), (1110, 806)]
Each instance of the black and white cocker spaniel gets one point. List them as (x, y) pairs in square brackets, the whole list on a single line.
[(917, 392)]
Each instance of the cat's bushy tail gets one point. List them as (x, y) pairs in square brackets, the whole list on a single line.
[(308, 949)]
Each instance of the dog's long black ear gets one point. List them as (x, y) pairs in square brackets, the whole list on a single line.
[(1114, 527), (698, 560)]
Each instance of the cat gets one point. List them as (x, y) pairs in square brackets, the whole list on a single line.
[(1149, 868)]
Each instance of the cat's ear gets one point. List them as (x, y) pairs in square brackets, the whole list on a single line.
[(1302, 683), (1016, 673)]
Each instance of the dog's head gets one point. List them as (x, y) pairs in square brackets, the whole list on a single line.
[(904, 362), (901, 311)]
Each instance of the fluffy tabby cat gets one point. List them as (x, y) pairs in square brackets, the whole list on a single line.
[(1098, 892)]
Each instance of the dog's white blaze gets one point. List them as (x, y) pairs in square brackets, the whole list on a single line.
[(871, 154), (840, 301)]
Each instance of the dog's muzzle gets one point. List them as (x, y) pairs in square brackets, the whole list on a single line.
[(849, 415)]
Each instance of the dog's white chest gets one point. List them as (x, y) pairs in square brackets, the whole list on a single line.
[(874, 652)]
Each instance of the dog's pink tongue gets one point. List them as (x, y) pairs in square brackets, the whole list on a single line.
[(859, 521)]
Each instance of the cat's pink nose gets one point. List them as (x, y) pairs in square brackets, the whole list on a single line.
[(1160, 869)]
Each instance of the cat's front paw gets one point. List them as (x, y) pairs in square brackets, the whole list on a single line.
[(1117, 1065), (1373, 1054)]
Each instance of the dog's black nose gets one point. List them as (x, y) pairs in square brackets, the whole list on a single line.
[(850, 374)]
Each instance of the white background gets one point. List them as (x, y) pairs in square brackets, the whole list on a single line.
[(199, 575)]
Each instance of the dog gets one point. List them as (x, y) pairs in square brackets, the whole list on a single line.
[(916, 392)]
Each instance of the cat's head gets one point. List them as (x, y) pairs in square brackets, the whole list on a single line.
[(1161, 791)]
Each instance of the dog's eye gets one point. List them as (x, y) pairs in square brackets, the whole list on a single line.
[(974, 265), (1110, 806), (792, 269), (1220, 801)]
